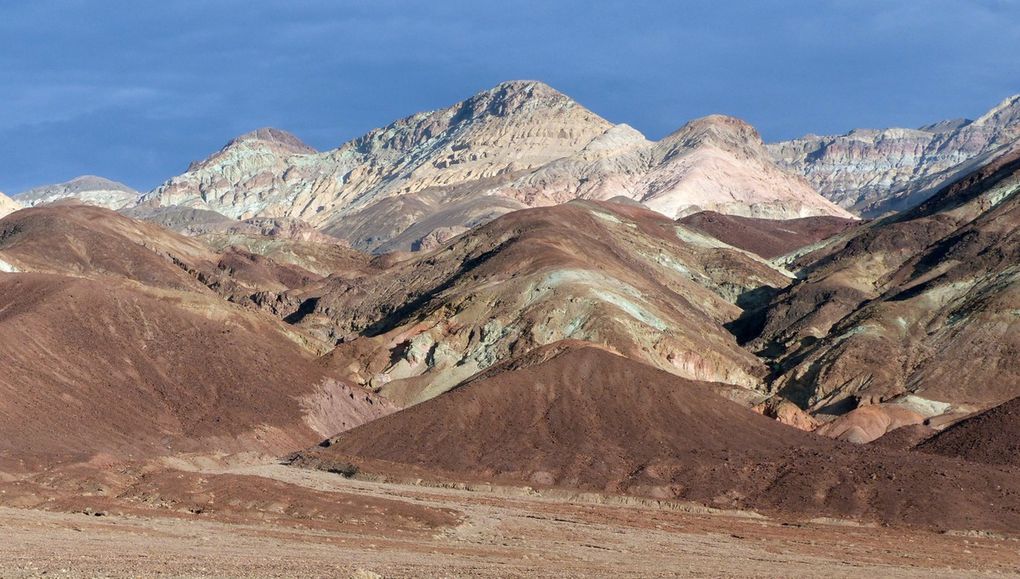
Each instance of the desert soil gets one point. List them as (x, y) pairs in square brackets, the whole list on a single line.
[(501, 532)]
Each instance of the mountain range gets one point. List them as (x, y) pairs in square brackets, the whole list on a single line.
[(423, 179), (427, 177), (512, 310)]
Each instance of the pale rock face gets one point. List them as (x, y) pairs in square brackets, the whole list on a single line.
[(716, 163), (8, 205), (876, 171), (88, 189), (520, 144), (720, 164)]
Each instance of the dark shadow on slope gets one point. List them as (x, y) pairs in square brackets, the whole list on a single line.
[(306, 308), (751, 322)]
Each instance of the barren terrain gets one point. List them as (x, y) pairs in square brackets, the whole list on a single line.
[(482, 532)]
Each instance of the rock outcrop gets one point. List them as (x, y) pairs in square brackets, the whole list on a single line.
[(874, 171)]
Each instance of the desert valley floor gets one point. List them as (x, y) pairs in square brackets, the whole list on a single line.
[(406, 530)]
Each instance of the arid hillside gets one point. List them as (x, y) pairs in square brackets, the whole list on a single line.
[(117, 343), (916, 310), (612, 274), (768, 238)]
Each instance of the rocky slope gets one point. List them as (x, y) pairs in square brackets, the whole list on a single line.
[(618, 275), (715, 163), (875, 171), (87, 189), (991, 437), (425, 178), (916, 310)]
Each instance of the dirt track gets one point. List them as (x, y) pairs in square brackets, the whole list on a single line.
[(502, 534)]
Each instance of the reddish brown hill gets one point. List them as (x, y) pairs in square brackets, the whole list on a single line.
[(113, 367), (86, 241), (82, 240), (585, 418), (991, 437), (115, 343), (768, 237)]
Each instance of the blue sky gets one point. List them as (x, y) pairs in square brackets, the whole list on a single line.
[(135, 90)]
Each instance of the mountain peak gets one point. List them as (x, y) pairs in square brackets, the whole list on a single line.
[(720, 130), (273, 136), (89, 189), (530, 88), (92, 183), (515, 97)]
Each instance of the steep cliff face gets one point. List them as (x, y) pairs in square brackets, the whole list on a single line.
[(88, 189), (876, 171), (427, 177)]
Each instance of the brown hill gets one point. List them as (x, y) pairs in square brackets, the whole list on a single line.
[(612, 274), (768, 237), (83, 240), (113, 367), (86, 241), (991, 437), (585, 418), (575, 416), (118, 339)]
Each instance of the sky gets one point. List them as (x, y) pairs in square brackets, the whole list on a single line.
[(135, 90)]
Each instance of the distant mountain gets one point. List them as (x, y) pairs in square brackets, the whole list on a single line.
[(88, 189), (874, 171), (521, 144), (715, 163), (8, 205)]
